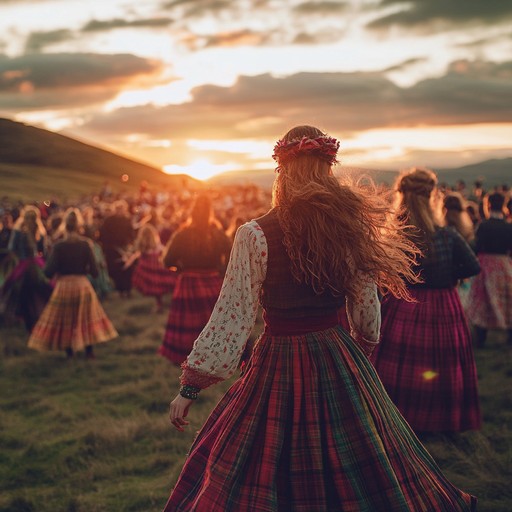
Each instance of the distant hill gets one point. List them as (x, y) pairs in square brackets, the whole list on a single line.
[(38, 163), (491, 172)]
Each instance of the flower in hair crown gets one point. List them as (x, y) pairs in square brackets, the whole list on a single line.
[(323, 147)]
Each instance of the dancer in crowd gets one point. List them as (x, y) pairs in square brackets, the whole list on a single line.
[(73, 319), (199, 250), (490, 295), (116, 234), (425, 358), (150, 276), (457, 216), (309, 426), (26, 289), (7, 258)]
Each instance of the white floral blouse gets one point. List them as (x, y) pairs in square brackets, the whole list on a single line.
[(218, 349)]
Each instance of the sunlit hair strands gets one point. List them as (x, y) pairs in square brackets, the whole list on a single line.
[(333, 228), (420, 203)]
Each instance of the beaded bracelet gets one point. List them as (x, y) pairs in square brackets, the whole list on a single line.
[(190, 392)]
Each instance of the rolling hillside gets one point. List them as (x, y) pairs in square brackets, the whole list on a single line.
[(36, 163)]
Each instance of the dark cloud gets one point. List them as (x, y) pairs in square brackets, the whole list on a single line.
[(406, 64), (98, 25), (38, 40), (232, 39), (264, 106), (196, 8), (322, 8), (66, 79), (414, 13)]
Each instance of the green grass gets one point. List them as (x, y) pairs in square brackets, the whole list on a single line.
[(94, 436)]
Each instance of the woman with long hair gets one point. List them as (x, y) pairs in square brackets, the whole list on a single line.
[(490, 295), (457, 216), (308, 426), (425, 357), (73, 319), (150, 277), (198, 251), (26, 289)]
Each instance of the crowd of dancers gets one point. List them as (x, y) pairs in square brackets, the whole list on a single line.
[(439, 282)]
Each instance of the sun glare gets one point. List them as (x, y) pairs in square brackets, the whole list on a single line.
[(199, 169)]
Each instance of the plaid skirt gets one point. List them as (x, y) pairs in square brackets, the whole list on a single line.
[(426, 363), (150, 277), (193, 300), (489, 302), (73, 318), (310, 428)]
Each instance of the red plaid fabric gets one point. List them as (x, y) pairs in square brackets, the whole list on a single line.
[(150, 277), (425, 361), (193, 300), (73, 318), (489, 301), (309, 428)]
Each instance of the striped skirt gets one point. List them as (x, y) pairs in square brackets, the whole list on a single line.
[(425, 361), (151, 278), (310, 428), (193, 300), (490, 296), (73, 318)]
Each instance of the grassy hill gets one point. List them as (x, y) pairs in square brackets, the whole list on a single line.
[(37, 163)]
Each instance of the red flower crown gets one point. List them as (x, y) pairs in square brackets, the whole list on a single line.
[(323, 147)]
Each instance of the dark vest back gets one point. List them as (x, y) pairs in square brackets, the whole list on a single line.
[(281, 294)]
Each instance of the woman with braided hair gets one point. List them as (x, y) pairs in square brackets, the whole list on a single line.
[(308, 426), (425, 357)]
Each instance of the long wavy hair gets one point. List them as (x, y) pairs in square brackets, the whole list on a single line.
[(332, 228), (457, 216), (29, 222), (420, 203)]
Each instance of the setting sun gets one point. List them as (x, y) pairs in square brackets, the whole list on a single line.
[(199, 169)]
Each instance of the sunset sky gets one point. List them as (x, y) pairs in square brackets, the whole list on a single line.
[(205, 86)]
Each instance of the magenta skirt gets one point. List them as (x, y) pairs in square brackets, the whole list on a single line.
[(489, 301), (151, 278), (426, 363), (193, 300)]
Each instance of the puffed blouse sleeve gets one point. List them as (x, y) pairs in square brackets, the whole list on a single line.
[(217, 351), (364, 315)]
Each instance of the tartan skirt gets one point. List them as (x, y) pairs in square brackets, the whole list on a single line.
[(426, 363), (151, 278), (310, 428), (489, 302), (193, 300), (73, 318)]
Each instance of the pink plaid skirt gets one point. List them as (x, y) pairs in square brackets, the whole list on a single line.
[(489, 301), (151, 278), (73, 318), (310, 428), (425, 361), (193, 300)]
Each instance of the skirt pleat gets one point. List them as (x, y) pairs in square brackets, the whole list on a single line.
[(193, 300), (309, 428), (489, 302), (73, 318), (425, 361), (151, 278)]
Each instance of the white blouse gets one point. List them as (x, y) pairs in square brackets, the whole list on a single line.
[(218, 349)]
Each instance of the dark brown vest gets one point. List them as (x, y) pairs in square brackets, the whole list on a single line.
[(281, 294)]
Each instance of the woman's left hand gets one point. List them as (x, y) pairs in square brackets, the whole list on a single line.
[(178, 411)]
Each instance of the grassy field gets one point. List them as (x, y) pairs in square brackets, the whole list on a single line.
[(93, 436)]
